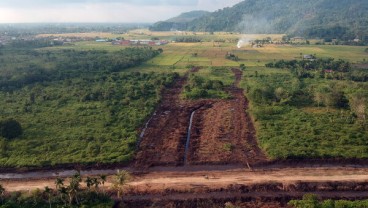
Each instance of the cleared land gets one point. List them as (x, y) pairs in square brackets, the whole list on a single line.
[(222, 132)]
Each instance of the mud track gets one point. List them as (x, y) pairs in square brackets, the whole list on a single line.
[(222, 132)]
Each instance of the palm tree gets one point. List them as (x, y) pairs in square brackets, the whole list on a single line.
[(59, 182), (63, 192), (103, 180), (74, 187), (48, 192), (121, 178), (95, 183), (89, 182)]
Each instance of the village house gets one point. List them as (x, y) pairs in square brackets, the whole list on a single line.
[(309, 57)]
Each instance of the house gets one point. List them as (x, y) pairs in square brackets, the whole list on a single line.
[(297, 39), (357, 40), (309, 57)]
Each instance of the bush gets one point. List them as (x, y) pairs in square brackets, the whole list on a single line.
[(10, 129)]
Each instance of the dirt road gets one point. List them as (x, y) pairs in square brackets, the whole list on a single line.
[(159, 182)]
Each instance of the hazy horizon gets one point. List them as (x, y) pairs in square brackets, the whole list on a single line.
[(99, 11)]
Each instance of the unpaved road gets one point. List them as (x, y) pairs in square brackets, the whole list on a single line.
[(157, 182)]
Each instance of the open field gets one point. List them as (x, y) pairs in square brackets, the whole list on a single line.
[(213, 132), (213, 48), (181, 54)]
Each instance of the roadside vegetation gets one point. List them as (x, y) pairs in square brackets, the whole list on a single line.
[(312, 201), (76, 191)]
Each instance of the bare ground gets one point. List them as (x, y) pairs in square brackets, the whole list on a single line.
[(222, 131)]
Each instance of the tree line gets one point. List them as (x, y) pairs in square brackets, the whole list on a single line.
[(70, 64)]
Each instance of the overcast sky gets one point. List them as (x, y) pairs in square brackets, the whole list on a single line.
[(25, 11)]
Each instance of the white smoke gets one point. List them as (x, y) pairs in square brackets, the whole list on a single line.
[(244, 42)]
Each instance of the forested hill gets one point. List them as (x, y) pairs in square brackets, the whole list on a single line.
[(178, 23), (298, 17)]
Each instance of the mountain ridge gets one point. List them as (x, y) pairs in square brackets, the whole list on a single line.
[(341, 19)]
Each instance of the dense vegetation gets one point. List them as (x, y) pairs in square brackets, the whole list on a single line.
[(311, 201), (209, 86), (309, 116), (345, 20), (328, 68), (75, 106), (27, 66), (178, 23)]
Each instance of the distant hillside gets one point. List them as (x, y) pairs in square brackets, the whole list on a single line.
[(318, 18), (178, 23)]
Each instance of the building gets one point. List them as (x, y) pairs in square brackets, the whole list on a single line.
[(309, 57), (140, 42)]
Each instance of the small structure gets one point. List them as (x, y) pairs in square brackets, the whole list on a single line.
[(140, 42), (309, 57), (297, 39), (101, 40)]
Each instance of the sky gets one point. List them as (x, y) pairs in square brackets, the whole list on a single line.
[(122, 11)]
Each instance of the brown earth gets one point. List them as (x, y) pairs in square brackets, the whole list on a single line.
[(164, 140), (222, 131)]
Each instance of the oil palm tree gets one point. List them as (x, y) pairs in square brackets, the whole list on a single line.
[(120, 179)]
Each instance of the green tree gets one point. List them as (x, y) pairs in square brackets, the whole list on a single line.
[(358, 105), (59, 182), (74, 188), (120, 179), (89, 182), (10, 129), (318, 98), (48, 193), (103, 179)]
